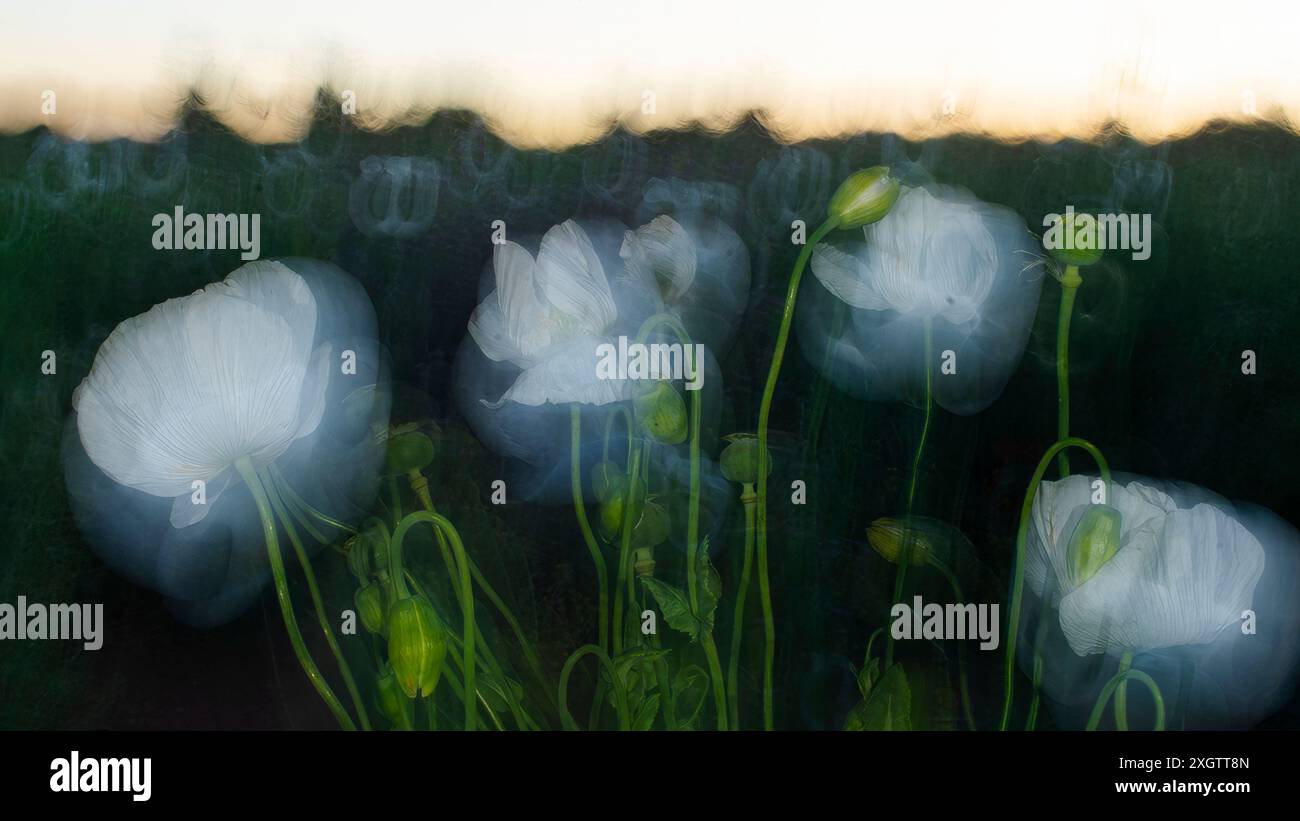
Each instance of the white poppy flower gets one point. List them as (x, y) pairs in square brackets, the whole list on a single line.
[(548, 316), (941, 258), (930, 257), (1180, 576), (660, 257), (179, 393)]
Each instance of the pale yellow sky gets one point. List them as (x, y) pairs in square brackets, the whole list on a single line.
[(560, 72)]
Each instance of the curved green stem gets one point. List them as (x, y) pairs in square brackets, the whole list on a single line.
[(967, 709), (620, 694), (580, 510), (905, 556), (1118, 680), (466, 591), (296, 501), (1121, 692), (1070, 283), (764, 414), (1018, 575), (305, 563), (625, 543), (693, 510), (421, 487), (747, 499), (248, 473)]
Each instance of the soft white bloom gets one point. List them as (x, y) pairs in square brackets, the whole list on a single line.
[(929, 257), (940, 257), (548, 316), (660, 257), (179, 393), (1181, 575)]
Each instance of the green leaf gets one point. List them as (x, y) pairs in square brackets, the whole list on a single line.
[(676, 608), (708, 587), (645, 717), (691, 686), (889, 707)]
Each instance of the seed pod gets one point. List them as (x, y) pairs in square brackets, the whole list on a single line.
[(740, 458), (1077, 242), (865, 197), (1095, 541), (417, 645), (407, 452)]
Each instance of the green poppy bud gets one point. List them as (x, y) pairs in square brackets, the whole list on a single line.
[(389, 698), (370, 607), (417, 645), (607, 479), (865, 197), (407, 452), (611, 512), (661, 413), (886, 536), (1073, 240), (652, 529), (1094, 542), (740, 458), (372, 541), (357, 550)]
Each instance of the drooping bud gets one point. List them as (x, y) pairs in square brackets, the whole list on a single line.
[(887, 536), (417, 645), (369, 601), (612, 512), (607, 479), (740, 458), (865, 197), (661, 414), (1073, 239), (357, 550), (1095, 541), (389, 698)]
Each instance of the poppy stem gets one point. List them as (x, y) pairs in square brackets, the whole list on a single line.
[(1018, 574), (764, 415), (1070, 283), (620, 694), (464, 589), (580, 510), (1118, 680), (625, 543), (747, 499), (244, 466), (905, 555), (421, 487), (318, 603)]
